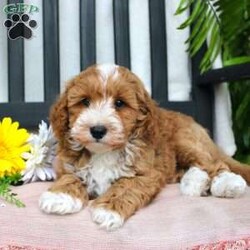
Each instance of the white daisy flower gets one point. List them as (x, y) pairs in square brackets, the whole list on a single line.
[(39, 159)]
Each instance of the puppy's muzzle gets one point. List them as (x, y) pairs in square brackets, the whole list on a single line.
[(98, 132)]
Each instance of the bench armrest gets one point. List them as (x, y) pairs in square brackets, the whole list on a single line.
[(225, 74)]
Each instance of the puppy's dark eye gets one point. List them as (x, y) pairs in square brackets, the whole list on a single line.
[(119, 103), (85, 102)]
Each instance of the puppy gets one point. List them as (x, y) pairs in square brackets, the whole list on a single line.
[(116, 146)]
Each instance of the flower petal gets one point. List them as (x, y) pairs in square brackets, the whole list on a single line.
[(40, 174)]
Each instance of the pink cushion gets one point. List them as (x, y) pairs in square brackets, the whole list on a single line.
[(171, 221)]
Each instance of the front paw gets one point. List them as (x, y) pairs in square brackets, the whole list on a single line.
[(59, 203), (106, 218), (195, 182), (228, 185)]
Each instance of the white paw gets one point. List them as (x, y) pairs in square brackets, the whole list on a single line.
[(195, 182), (228, 185), (107, 219), (59, 203)]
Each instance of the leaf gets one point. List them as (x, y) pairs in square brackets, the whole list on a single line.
[(6, 194), (197, 26), (237, 60), (246, 139), (243, 109), (212, 50), (241, 123), (204, 19), (201, 38), (198, 7), (234, 33), (183, 5), (232, 19)]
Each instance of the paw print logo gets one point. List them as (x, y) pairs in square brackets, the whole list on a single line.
[(20, 26)]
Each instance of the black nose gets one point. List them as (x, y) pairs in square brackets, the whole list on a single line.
[(98, 131)]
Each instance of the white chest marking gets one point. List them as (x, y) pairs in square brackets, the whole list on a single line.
[(104, 169)]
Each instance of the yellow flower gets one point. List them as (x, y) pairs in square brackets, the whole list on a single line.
[(13, 143)]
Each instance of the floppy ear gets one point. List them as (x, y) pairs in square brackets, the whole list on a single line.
[(146, 103), (147, 118), (59, 117)]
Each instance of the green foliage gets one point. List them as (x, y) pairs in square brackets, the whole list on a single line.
[(5, 191), (226, 26), (240, 93), (220, 22)]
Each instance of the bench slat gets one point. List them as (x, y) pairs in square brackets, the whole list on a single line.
[(87, 33), (158, 50), (121, 32), (15, 66), (51, 49)]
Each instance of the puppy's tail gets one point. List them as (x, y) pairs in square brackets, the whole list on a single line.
[(238, 168)]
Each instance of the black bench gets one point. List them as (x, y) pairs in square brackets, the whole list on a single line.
[(30, 114)]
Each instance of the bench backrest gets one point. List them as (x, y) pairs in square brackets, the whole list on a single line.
[(200, 105)]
